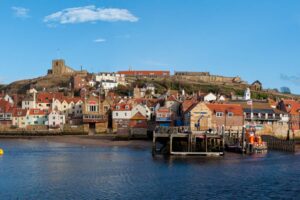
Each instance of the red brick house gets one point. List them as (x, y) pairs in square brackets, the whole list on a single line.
[(204, 116), (6, 113)]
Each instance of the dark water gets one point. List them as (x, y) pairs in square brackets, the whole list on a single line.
[(42, 170)]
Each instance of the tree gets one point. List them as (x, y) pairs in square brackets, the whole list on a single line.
[(285, 90)]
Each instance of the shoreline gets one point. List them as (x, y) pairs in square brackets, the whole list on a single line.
[(85, 140)]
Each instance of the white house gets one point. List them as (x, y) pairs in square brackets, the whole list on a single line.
[(68, 106), (143, 109), (56, 119), (210, 97), (150, 87), (109, 85), (28, 103), (36, 117), (122, 111), (111, 76)]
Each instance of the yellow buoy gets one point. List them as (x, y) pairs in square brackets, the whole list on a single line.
[(1, 152)]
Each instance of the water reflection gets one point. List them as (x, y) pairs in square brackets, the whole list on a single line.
[(45, 170)]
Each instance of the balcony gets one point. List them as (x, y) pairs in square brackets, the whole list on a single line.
[(262, 118)]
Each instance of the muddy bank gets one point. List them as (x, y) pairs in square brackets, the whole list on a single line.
[(103, 140)]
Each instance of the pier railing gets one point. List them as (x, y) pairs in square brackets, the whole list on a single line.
[(172, 130)]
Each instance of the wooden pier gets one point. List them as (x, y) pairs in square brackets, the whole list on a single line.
[(181, 141), (279, 144)]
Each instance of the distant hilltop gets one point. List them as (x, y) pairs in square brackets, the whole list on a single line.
[(61, 76)]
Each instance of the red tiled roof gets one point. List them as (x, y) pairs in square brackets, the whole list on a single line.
[(294, 106), (19, 112), (187, 104), (46, 97), (70, 99), (138, 116), (234, 108), (122, 107), (5, 106)]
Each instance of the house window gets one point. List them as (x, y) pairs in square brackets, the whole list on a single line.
[(93, 108), (125, 114), (117, 114), (219, 114), (230, 114), (117, 107)]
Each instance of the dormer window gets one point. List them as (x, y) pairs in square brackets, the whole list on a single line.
[(36, 111), (288, 105), (117, 107), (126, 107)]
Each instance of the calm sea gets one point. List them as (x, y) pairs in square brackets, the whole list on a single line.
[(47, 170)]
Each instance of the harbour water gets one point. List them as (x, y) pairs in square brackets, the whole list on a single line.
[(38, 169)]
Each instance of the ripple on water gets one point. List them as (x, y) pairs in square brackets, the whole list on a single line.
[(45, 170)]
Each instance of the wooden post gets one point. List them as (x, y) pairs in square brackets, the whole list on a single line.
[(243, 140), (205, 143), (154, 144), (171, 144), (223, 138)]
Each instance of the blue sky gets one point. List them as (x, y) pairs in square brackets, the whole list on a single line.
[(255, 39)]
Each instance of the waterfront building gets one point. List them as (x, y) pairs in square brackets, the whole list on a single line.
[(121, 114), (266, 119), (138, 121), (19, 118), (69, 106), (292, 108), (56, 119), (164, 117), (204, 116), (6, 113), (95, 115), (36, 117)]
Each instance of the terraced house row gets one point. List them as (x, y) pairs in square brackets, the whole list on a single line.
[(98, 112)]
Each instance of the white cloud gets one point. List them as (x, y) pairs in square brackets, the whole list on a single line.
[(90, 14), (100, 40), (20, 12)]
